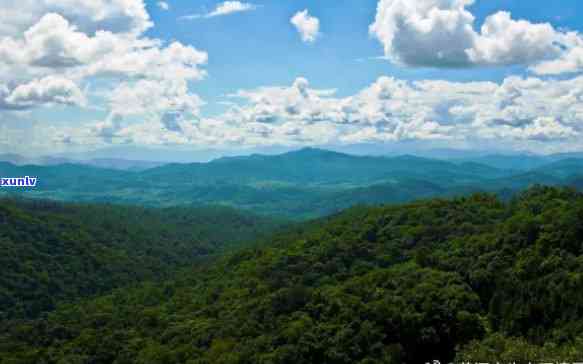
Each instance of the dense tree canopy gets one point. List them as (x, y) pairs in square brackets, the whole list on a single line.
[(467, 279), (53, 251)]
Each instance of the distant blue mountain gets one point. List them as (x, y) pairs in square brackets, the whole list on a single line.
[(304, 183)]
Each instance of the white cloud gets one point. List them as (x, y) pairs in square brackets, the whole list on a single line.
[(54, 55), (530, 113), (54, 43), (152, 97), (224, 8), (118, 16), (57, 48), (517, 109), (425, 32), (547, 129), (505, 41), (570, 61), (441, 33), (229, 7), (308, 26), (48, 90), (51, 90), (163, 5), (52, 49), (149, 60)]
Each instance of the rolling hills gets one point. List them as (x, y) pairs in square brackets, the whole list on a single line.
[(302, 184), (471, 279), (53, 252)]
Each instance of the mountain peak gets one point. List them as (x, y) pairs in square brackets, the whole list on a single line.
[(311, 151)]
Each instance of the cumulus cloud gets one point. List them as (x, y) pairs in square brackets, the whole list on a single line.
[(441, 33), (48, 90), (547, 129), (149, 97), (49, 54), (531, 112), (54, 43), (224, 8), (118, 16), (570, 61), (51, 50), (506, 41), (308, 26), (147, 59), (425, 32), (397, 110)]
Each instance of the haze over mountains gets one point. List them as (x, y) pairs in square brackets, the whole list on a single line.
[(303, 183), (107, 163), (151, 158)]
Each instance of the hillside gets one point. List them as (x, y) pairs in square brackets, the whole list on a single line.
[(303, 184), (53, 252), (317, 166), (470, 278)]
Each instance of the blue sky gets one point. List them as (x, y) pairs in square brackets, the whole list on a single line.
[(376, 72), (261, 47)]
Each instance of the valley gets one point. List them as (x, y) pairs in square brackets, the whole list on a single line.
[(299, 185)]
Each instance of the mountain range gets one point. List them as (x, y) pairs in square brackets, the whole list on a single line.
[(300, 184), (107, 163)]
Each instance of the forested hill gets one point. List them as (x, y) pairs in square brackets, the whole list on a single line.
[(53, 252), (323, 167), (470, 279), (303, 184)]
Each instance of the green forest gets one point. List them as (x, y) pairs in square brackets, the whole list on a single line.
[(300, 185), (464, 279), (291, 182), (53, 251)]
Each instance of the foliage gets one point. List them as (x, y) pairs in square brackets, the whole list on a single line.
[(53, 251), (304, 184), (471, 279)]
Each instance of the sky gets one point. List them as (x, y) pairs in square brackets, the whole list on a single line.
[(83, 75)]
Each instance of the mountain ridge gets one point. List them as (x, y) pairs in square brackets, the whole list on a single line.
[(305, 183)]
